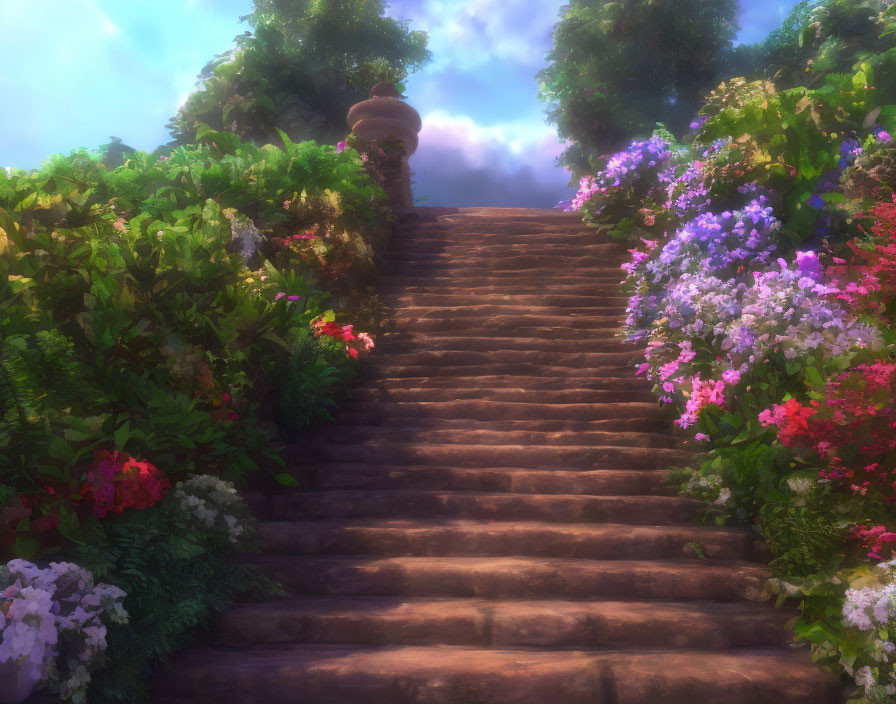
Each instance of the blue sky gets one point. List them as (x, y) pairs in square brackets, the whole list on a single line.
[(74, 72)]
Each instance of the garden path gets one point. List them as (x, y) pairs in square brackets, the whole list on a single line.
[(490, 520)]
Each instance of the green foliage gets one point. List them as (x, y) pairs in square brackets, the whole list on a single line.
[(618, 68), (176, 581), (309, 380), (131, 319), (300, 69)]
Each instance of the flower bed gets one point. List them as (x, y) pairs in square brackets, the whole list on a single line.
[(145, 313), (762, 288)]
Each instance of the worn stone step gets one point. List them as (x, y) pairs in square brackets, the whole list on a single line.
[(399, 343), (598, 339), (393, 285), (525, 457), (601, 482), (526, 382), (457, 358), (594, 301), (503, 506), (340, 434), (497, 624), (508, 410), (599, 327), (430, 537), (488, 311), (514, 577), (653, 424), (457, 675), (412, 393), (385, 367)]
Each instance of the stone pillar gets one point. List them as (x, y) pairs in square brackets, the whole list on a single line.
[(386, 116)]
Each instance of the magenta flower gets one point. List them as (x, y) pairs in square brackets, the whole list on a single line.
[(293, 298), (340, 147), (279, 296)]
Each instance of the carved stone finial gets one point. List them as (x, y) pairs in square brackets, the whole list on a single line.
[(385, 115)]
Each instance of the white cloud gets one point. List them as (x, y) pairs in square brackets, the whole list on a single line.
[(460, 162), (469, 33)]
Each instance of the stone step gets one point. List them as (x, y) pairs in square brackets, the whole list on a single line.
[(522, 264), (432, 395), (508, 410), (457, 675), (514, 577), (386, 367), (522, 456), (508, 344), (605, 339), (595, 301), (653, 424), (431, 537), (599, 327), (461, 358), (483, 506), (488, 311), (601, 482), (496, 624), (397, 286), (526, 382), (341, 434)]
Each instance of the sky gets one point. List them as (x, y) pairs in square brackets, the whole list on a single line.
[(75, 72)]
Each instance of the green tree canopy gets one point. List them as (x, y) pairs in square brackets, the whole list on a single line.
[(618, 68), (300, 69)]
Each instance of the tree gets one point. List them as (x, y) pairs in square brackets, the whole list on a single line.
[(300, 69), (618, 68)]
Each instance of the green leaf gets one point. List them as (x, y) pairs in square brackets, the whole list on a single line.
[(285, 479), (27, 547), (814, 376), (69, 526)]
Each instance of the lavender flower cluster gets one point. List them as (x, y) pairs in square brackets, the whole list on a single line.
[(638, 165), (39, 608), (786, 311)]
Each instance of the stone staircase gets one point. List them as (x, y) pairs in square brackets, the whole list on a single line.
[(490, 520)]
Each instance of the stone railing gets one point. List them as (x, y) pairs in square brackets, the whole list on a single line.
[(383, 116)]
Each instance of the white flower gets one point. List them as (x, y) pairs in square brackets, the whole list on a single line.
[(865, 679), (800, 485), (724, 495)]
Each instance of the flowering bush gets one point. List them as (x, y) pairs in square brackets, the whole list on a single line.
[(118, 481), (54, 621), (777, 355), (214, 506), (852, 429), (630, 181)]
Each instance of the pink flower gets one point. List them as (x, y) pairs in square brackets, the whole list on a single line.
[(279, 296), (643, 368), (366, 339), (668, 387), (293, 298), (363, 158), (701, 437), (668, 370), (340, 147), (731, 376)]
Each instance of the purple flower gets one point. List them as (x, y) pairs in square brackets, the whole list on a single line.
[(279, 296), (699, 122), (340, 147), (294, 298)]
